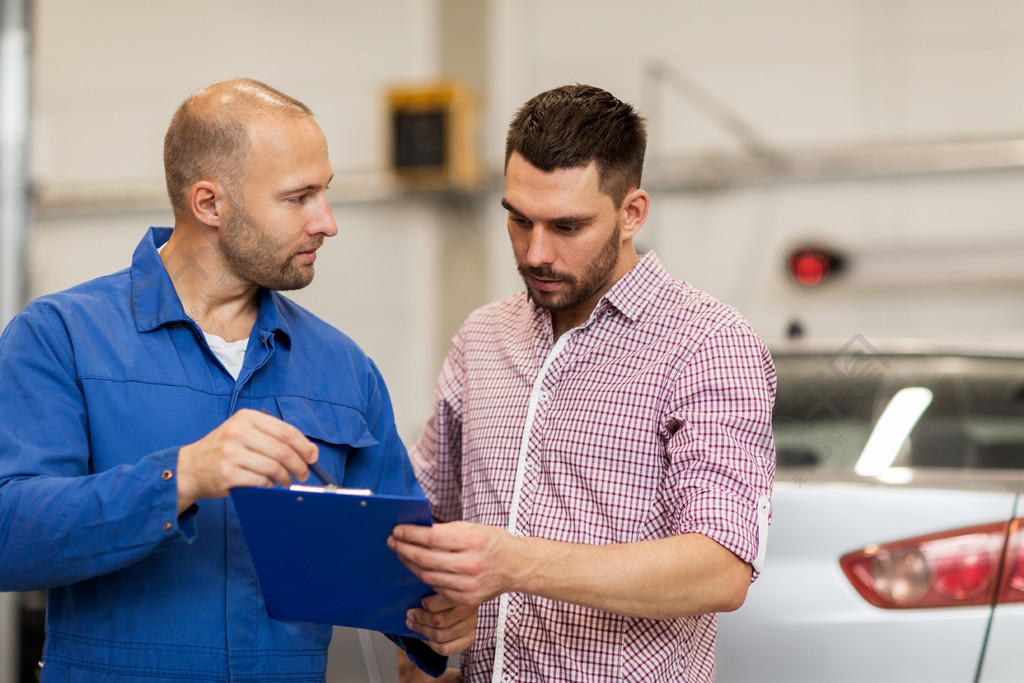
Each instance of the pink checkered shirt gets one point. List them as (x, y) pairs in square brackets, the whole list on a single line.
[(651, 419)]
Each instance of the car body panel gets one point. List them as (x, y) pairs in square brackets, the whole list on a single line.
[(804, 621), (960, 464)]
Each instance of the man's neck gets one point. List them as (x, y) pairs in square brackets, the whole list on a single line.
[(216, 300), (230, 319), (562, 323)]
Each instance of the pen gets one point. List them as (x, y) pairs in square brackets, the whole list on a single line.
[(321, 474)]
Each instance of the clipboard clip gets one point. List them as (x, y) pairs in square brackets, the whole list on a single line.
[(329, 485), (305, 488)]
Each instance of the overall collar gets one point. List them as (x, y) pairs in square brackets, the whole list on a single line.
[(156, 303)]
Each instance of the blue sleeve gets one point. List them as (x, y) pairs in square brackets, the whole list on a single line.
[(64, 523)]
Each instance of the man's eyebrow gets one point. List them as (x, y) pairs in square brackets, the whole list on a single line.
[(564, 220), (508, 207), (307, 188)]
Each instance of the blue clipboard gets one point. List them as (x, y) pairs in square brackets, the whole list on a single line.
[(321, 555)]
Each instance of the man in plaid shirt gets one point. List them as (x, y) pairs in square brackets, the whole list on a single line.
[(600, 457)]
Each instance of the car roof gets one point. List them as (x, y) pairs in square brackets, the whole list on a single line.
[(963, 479), (901, 346)]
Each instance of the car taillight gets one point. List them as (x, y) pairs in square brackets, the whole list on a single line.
[(969, 566)]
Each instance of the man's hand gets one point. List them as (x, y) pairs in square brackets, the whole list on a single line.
[(448, 626), (249, 449), (466, 563), (472, 563)]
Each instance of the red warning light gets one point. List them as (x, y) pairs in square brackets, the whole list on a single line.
[(811, 264)]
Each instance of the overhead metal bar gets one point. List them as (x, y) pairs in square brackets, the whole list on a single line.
[(701, 173), (658, 73), (761, 162)]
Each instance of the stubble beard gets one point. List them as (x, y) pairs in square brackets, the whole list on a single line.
[(251, 255), (577, 288)]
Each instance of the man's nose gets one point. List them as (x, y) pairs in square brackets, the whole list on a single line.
[(324, 222), (539, 249)]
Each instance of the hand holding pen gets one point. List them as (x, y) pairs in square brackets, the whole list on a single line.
[(250, 448)]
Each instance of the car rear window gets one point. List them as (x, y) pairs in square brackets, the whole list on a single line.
[(955, 411)]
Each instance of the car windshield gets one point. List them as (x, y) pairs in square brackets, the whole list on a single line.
[(867, 413)]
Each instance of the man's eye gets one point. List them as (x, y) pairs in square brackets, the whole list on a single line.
[(519, 220)]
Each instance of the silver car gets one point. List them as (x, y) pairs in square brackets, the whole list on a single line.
[(896, 551)]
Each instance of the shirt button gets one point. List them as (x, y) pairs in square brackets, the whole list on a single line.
[(168, 526), (506, 679), (528, 465), (543, 397), (167, 475)]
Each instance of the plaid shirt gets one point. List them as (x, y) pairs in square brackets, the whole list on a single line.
[(651, 419)]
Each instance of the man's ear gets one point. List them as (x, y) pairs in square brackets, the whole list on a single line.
[(208, 203), (634, 212)]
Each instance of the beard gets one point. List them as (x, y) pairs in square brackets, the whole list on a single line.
[(252, 254), (577, 288)]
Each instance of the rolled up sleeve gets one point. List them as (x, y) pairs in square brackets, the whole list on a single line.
[(721, 445)]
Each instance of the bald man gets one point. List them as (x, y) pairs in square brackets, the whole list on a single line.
[(134, 403)]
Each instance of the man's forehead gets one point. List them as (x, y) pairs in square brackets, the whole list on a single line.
[(288, 154), (528, 188), (519, 160)]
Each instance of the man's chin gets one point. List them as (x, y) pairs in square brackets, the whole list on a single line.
[(547, 300), (297, 280)]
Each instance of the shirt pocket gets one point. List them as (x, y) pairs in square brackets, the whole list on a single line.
[(335, 429)]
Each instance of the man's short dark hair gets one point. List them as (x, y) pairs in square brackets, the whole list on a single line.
[(572, 125)]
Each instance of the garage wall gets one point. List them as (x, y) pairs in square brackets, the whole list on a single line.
[(931, 252), (109, 73)]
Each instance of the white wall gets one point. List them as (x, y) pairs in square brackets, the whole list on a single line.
[(109, 73), (803, 71), (813, 75)]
